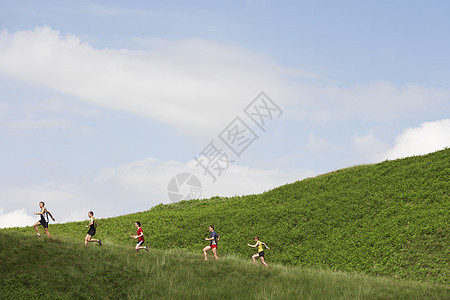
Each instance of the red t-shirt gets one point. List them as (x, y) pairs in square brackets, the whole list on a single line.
[(139, 231)]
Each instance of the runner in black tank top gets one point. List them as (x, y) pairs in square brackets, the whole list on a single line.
[(91, 232)]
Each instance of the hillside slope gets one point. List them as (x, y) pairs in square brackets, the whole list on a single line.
[(36, 268), (390, 218)]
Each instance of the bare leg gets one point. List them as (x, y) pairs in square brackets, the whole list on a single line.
[(89, 239), (254, 256), (48, 233), (141, 247), (36, 227), (263, 262), (215, 253), (207, 248)]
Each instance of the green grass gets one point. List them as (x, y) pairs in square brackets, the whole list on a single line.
[(326, 235), (389, 219), (62, 268)]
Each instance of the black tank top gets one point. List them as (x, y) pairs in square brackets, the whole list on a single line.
[(92, 226), (44, 216)]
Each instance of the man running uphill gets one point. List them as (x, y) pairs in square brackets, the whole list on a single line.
[(140, 237), (44, 213), (92, 229), (213, 239)]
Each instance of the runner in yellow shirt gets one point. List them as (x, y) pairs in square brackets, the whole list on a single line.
[(260, 253)]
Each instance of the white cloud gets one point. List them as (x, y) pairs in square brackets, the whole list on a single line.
[(319, 145), (186, 83), (28, 124), (368, 148), (133, 187), (147, 181), (59, 106), (51, 114), (3, 107), (109, 10), (373, 102), (242, 180), (61, 199), (16, 218), (427, 138)]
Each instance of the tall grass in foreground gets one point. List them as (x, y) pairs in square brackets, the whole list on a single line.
[(63, 268), (387, 219)]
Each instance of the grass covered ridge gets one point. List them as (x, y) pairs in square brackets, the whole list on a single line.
[(62, 268), (389, 219)]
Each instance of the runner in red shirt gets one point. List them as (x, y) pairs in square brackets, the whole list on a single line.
[(140, 237)]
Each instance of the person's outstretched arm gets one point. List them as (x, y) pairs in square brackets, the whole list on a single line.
[(253, 245), (51, 215), (266, 245)]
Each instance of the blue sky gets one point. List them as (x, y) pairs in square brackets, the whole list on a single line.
[(101, 104)]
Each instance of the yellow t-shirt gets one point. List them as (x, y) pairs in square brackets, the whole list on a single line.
[(260, 246)]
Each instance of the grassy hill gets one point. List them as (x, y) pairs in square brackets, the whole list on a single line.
[(38, 268), (390, 219)]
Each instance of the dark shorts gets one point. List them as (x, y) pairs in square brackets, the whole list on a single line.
[(43, 223), (261, 254), (91, 232), (139, 243), (213, 246)]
